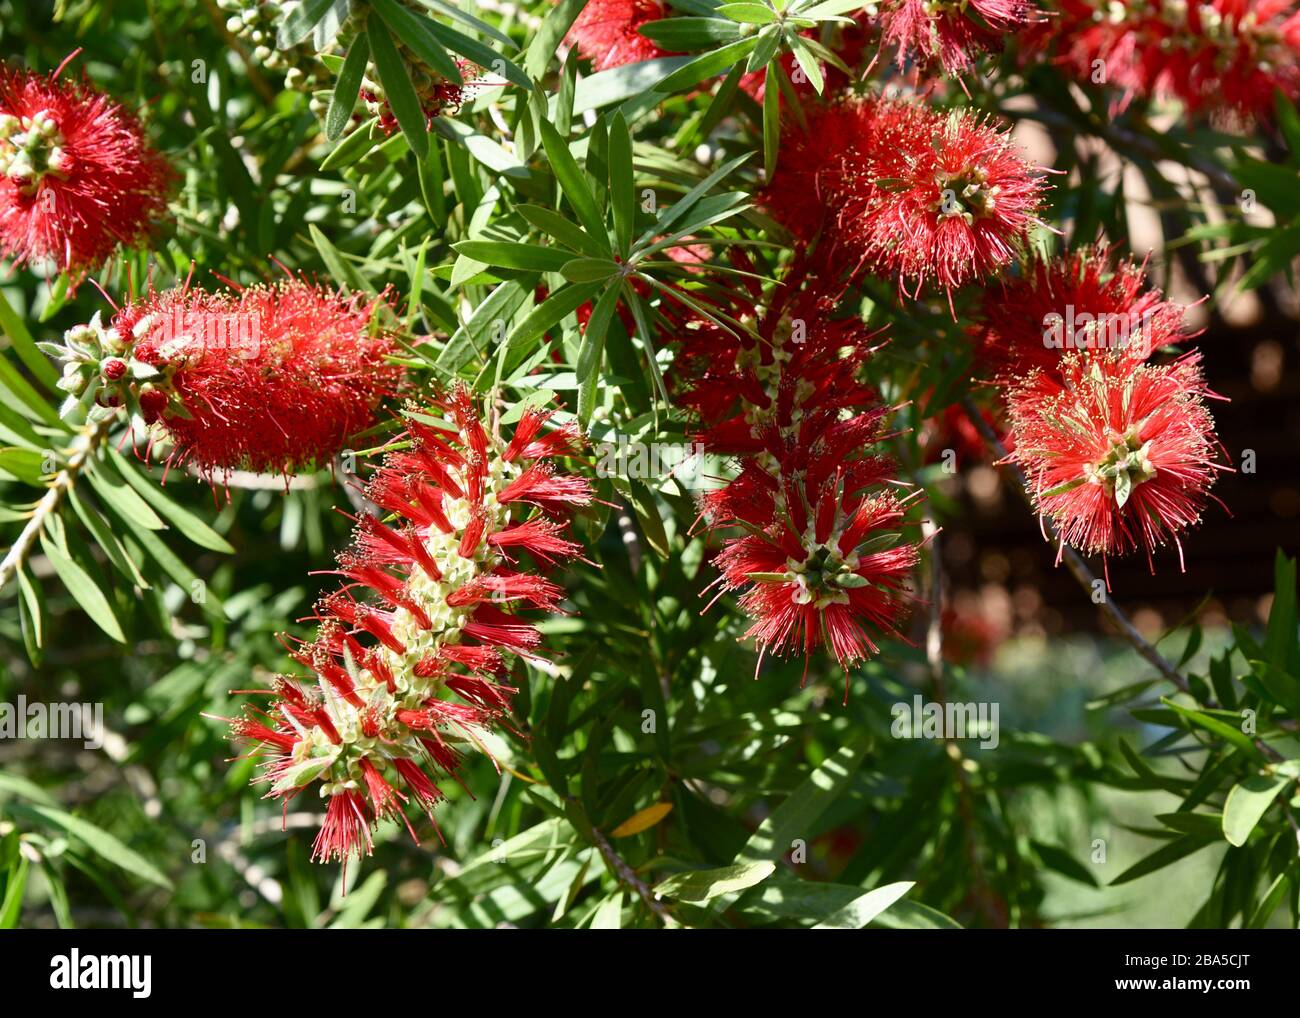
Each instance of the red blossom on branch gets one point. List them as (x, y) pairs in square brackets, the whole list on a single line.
[(270, 378), (78, 178), (906, 192), (1119, 454), (822, 562), (410, 652)]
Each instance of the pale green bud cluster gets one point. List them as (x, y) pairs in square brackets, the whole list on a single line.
[(32, 148)]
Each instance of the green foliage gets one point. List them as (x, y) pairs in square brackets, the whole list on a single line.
[(651, 780)]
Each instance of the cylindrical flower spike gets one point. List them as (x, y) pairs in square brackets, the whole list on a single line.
[(1119, 454), (78, 178), (408, 677), (913, 194), (270, 378), (823, 562)]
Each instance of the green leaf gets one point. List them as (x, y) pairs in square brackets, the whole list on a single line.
[(618, 83), (484, 56), (1062, 862), (1289, 120), (486, 324), (25, 346), (573, 183), (609, 916), (703, 885), (13, 901), (592, 352), (396, 81), (795, 817), (342, 270), (102, 532), (299, 21), (347, 87), (1281, 643), (84, 590), (99, 841), (912, 915), (686, 34), (692, 197), (551, 312), (509, 255), (1277, 892), (351, 148), (557, 226), (771, 120), (179, 572), (808, 63), (748, 13), (457, 13), (413, 30), (708, 65), (1247, 803), (859, 912), (546, 41), (622, 185), (33, 614), (588, 270), (1212, 724), (185, 521), (119, 496), (1164, 856)]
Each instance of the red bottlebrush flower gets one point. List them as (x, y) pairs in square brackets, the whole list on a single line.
[(822, 563), (606, 32), (830, 570), (1222, 57), (1084, 300), (77, 176), (268, 378), (1119, 454), (913, 193), (408, 679), (951, 34)]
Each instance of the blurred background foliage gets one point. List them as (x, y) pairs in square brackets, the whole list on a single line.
[(659, 776)]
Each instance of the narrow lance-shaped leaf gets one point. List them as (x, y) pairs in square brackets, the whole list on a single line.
[(397, 86)]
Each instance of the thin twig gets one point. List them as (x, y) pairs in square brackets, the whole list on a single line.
[(83, 447), (627, 875)]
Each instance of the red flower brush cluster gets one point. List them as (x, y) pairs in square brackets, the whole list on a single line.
[(606, 32), (906, 191), (1084, 300), (77, 176), (823, 561), (1217, 56), (1119, 454), (268, 378), (406, 679), (952, 34)]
